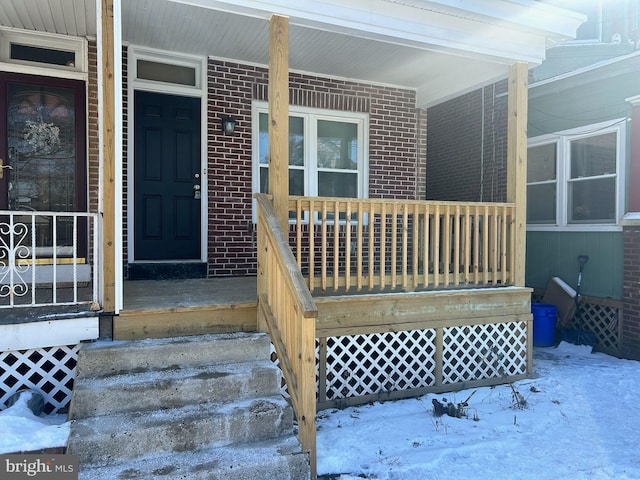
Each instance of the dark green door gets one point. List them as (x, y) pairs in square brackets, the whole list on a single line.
[(166, 177)]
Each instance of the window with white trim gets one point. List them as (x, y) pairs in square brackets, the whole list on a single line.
[(43, 50), (574, 177), (327, 152)]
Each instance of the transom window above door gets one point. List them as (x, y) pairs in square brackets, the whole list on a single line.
[(327, 152)]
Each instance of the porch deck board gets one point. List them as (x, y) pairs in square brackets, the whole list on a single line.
[(185, 293), (166, 308)]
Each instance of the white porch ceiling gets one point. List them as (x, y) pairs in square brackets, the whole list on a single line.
[(440, 48)]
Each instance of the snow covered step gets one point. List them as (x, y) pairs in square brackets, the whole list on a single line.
[(279, 459), (108, 439), (103, 358), (173, 386)]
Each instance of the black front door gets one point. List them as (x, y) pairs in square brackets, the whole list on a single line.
[(166, 177)]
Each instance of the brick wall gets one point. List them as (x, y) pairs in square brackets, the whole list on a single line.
[(396, 139), (125, 162), (631, 297), (467, 148), (93, 141)]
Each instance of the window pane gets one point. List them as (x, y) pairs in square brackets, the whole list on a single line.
[(333, 184), (541, 163), (337, 145), (42, 55), (263, 140), (296, 181), (592, 201), (165, 72), (264, 180), (541, 203), (296, 140), (593, 156)]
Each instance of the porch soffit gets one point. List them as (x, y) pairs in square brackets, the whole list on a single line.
[(440, 48)]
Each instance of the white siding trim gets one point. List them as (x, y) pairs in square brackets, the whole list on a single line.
[(50, 333)]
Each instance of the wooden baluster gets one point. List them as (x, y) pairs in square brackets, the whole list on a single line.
[(336, 245), (436, 246), (485, 246), (405, 249), (323, 249), (347, 248), (371, 244), (416, 245), (494, 244), (299, 233), (312, 243), (360, 220), (476, 245), (425, 247), (394, 245), (383, 244), (446, 237), (456, 246), (467, 244)]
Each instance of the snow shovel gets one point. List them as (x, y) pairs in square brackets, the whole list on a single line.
[(579, 336)]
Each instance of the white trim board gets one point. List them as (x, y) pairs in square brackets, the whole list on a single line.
[(50, 333)]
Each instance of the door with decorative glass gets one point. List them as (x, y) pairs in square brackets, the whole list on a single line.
[(42, 172)]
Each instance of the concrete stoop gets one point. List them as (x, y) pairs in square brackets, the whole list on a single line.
[(201, 407)]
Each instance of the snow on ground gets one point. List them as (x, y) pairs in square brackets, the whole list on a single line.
[(581, 421), (22, 431)]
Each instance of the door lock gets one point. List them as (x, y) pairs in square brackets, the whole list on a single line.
[(197, 194)]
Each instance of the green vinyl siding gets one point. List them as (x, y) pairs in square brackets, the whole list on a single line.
[(555, 254)]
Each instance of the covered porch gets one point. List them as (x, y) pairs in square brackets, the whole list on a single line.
[(370, 293)]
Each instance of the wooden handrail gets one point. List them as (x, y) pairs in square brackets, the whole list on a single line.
[(286, 308)]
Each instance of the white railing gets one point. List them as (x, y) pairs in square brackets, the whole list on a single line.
[(48, 258)]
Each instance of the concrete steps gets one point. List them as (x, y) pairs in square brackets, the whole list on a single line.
[(189, 407)]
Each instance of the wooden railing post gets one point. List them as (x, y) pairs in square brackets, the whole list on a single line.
[(109, 243), (517, 164), (279, 117)]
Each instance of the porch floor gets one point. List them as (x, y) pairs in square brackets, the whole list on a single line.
[(185, 293), (168, 308)]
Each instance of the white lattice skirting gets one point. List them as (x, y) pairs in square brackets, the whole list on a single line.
[(368, 364), (371, 364), (484, 351), (47, 370)]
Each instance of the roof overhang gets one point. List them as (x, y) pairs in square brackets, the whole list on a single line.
[(439, 48)]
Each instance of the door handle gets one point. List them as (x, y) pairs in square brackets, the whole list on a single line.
[(3, 166)]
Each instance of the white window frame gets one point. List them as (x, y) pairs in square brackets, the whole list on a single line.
[(563, 173), (311, 115), (78, 45)]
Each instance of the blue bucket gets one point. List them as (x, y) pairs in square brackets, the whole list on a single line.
[(544, 324)]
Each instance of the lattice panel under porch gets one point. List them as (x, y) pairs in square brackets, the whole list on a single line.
[(284, 391), (476, 352), (603, 321), (49, 371), (369, 364)]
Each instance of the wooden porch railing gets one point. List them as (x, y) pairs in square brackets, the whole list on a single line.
[(287, 308), (402, 244)]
